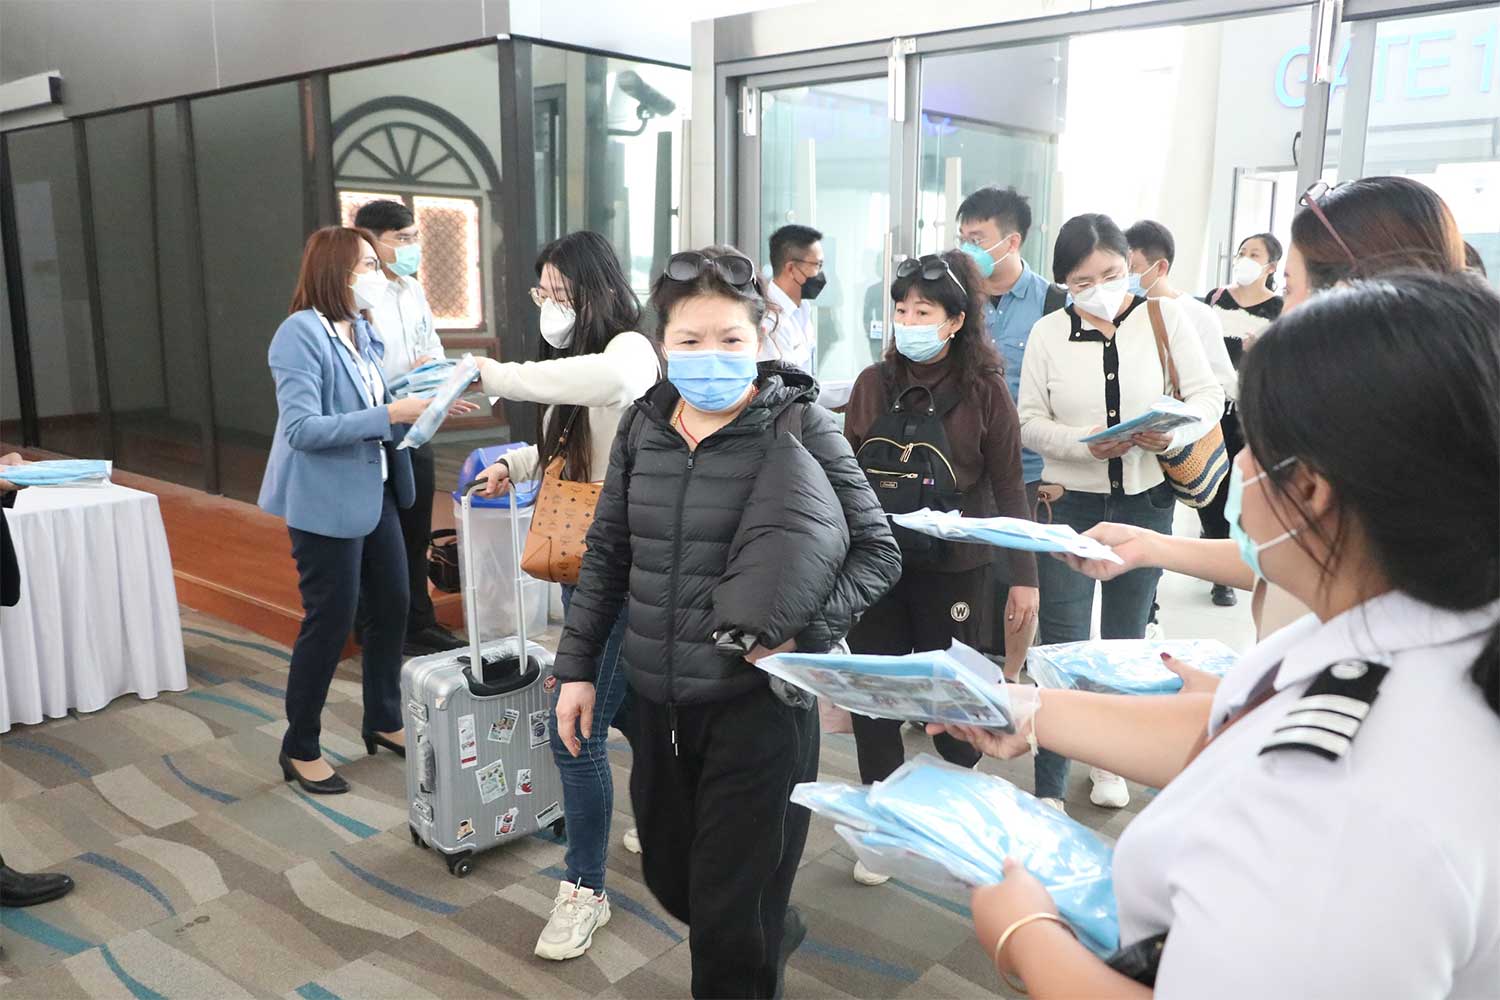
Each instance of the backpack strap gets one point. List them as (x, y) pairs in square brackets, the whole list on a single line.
[(1218, 294), (1055, 299)]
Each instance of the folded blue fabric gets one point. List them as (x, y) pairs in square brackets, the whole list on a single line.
[(1124, 666), (57, 472)]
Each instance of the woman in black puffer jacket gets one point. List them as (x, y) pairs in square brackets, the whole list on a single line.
[(716, 753)]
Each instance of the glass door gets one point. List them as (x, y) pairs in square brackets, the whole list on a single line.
[(824, 153)]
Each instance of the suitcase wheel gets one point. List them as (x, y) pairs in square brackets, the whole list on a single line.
[(416, 838), (460, 865)]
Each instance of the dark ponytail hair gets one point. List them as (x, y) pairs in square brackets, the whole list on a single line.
[(1274, 252), (603, 305), (1384, 388), (973, 352)]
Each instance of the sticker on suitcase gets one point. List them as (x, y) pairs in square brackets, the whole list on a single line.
[(468, 747), (549, 815), (538, 728), (506, 822), (465, 828), (501, 730), (523, 781), (491, 779)]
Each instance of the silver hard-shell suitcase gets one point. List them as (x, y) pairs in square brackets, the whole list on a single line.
[(479, 768)]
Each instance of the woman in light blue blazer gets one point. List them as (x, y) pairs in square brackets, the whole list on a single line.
[(337, 478)]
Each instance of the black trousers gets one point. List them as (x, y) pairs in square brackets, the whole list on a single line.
[(924, 610), (416, 533), (1211, 517), (332, 574), (720, 841)]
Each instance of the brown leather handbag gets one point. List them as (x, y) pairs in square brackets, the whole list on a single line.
[(559, 523)]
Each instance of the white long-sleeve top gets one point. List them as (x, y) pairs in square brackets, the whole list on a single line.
[(1074, 379), (404, 321), (607, 383), (1205, 320)]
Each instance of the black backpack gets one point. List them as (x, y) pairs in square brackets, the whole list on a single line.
[(906, 458)]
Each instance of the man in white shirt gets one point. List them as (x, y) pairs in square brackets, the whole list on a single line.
[(1152, 251), (404, 322), (796, 279)]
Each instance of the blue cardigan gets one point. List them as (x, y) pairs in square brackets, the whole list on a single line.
[(323, 475)]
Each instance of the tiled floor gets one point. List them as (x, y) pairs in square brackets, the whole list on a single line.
[(201, 874)]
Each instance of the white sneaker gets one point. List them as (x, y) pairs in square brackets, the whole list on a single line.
[(1155, 632), (576, 915), (864, 876), (632, 840), (1056, 804), (1109, 789)]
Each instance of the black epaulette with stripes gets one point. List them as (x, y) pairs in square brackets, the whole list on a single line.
[(1329, 713)]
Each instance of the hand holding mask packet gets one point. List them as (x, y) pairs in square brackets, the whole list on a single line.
[(1163, 416), (424, 380), (1005, 533), (1124, 666), (945, 826), (957, 685), (447, 394)]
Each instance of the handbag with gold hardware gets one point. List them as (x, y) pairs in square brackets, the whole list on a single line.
[(560, 522)]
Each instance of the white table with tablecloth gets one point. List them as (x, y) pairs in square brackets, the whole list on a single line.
[(97, 616)]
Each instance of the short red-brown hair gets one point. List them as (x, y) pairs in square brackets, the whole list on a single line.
[(328, 260)]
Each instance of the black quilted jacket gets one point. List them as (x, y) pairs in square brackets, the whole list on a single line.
[(662, 533)]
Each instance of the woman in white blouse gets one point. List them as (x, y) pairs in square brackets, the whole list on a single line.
[(1090, 366), (593, 365)]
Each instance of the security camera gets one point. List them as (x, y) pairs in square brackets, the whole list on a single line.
[(652, 101)]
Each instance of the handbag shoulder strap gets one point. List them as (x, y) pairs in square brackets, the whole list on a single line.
[(1163, 349)]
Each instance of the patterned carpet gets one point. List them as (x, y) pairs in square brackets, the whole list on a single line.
[(202, 875)]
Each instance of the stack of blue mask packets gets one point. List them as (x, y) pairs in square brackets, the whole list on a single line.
[(956, 685), (948, 827), (424, 380), (1124, 666), (58, 472), (1005, 533), (459, 378)]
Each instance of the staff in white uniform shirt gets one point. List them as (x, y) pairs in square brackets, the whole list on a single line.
[(403, 319), (797, 279), (1329, 822)]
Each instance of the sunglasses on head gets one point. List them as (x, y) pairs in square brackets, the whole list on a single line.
[(930, 267), (1310, 198), (689, 265)]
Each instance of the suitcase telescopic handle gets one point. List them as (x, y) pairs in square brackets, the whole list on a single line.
[(471, 586)]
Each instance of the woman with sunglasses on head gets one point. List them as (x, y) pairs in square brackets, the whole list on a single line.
[(1363, 228), (1090, 366), (940, 356), (1298, 846), (716, 751), (593, 363)]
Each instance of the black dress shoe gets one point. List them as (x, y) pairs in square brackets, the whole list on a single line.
[(21, 889), (1225, 597), (374, 739), (435, 638), (334, 784)]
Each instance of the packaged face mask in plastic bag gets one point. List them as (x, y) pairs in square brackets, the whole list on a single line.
[(846, 804), (437, 411), (1124, 666), (981, 820), (59, 472), (422, 381), (1005, 533), (947, 685), (919, 864), (1163, 416)]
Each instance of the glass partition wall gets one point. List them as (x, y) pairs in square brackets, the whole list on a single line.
[(153, 251)]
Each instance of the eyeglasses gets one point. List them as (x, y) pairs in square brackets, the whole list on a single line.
[(541, 295), (930, 267), (689, 265), (1310, 198)]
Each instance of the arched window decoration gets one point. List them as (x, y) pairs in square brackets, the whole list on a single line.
[(415, 152)]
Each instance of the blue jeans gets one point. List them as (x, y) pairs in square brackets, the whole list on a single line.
[(1067, 598), (588, 786)]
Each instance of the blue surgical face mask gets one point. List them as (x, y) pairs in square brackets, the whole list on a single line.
[(711, 381), (1250, 549), (918, 343), (983, 259), (408, 259), (1137, 288)]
